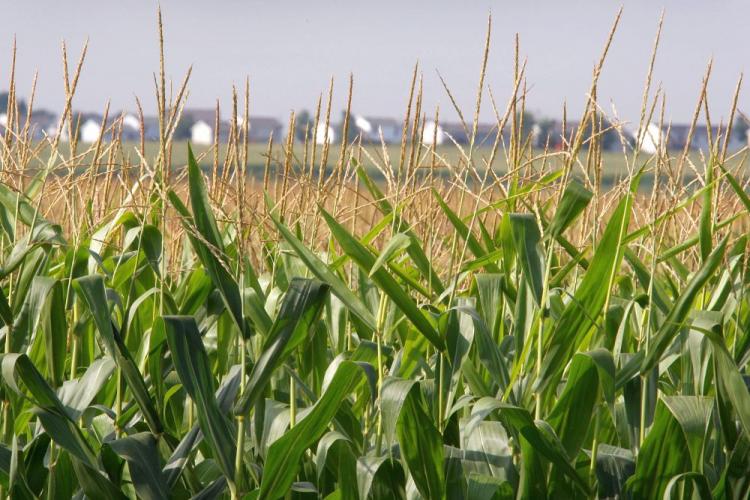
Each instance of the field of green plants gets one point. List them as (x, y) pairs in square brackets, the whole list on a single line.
[(483, 334), (614, 165)]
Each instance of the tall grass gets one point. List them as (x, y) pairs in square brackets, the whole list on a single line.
[(443, 329)]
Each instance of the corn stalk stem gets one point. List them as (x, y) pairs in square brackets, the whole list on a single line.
[(382, 311)]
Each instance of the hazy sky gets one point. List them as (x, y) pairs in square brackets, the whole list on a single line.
[(290, 49)]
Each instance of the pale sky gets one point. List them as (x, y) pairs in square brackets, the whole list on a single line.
[(290, 49)]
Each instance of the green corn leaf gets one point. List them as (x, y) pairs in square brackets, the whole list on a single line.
[(574, 201), (42, 235), (225, 396), (48, 408), (301, 307), (586, 305), (527, 238), (43, 311), (78, 394), (537, 441), (674, 321), (380, 477), (94, 483), (732, 391), (139, 450), (207, 242), (705, 225), (415, 250), (420, 442), (365, 259), (285, 453), (335, 453), (613, 468), (192, 367), (663, 455), (28, 214), (326, 275), (736, 187), (679, 313), (572, 414), (398, 243), (91, 289), (463, 230), (57, 423)]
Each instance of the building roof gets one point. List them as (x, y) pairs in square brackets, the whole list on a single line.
[(207, 115), (459, 133), (264, 122), (379, 121)]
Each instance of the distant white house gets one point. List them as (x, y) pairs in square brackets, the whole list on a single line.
[(52, 131), (701, 135), (202, 133), (650, 139), (376, 130), (363, 124), (431, 136), (41, 121), (131, 121), (323, 136), (90, 131), (201, 123), (41, 124), (676, 137), (132, 125)]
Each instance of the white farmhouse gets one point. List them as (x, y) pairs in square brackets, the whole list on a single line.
[(377, 130), (90, 131), (431, 136), (261, 128), (323, 136), (202, 133), (130, 121), (363, 124), (651, 139), (200, 126), (131, 127)]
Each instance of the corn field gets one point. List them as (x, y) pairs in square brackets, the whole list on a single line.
[(329, 333)]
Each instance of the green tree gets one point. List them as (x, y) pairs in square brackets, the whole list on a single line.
[(21, 104), (351, 130), (303, 123), (182, 131), (544, 128), (740, 128), (527, 121)]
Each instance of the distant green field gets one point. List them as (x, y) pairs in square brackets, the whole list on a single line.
[(615, 165)]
